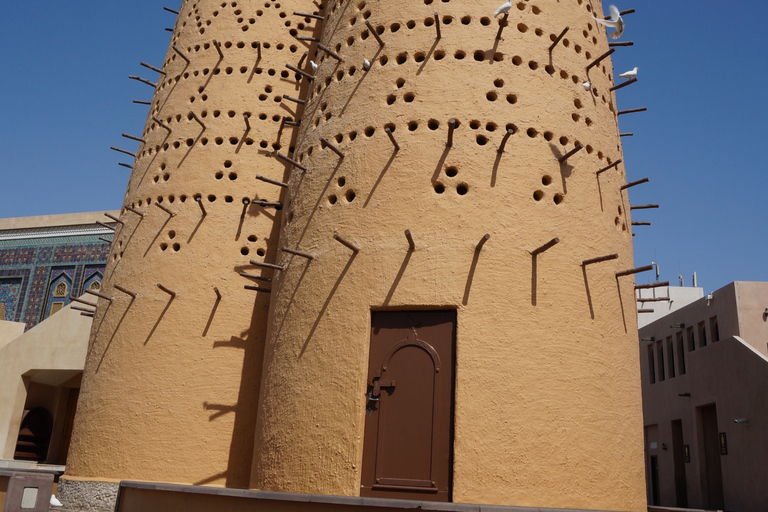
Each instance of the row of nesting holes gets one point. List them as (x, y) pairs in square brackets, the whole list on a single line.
[(546, 180), (348, 195), (176, 246), (451, 172)]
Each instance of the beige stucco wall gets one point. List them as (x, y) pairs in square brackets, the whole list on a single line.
[(58, 343), (48, 221), (547, 404)]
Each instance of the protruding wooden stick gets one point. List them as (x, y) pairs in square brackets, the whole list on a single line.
[(113, 148), (374, 33), (510, 131), (105, 240), (633, 183), (258, 278), (599, 259), (142, 80), (125, 165), (640, 223), (142, 102), (257, 288), (166, 290), (502, 23), (166, 210), (200, 122), (81, 301), (546, 246), (623, 84), (267, 265), (99, 295), (160, 123), (570, 153), (631, 111), (600, 59), (176, 49), (109, 215), (557, 40), (343, 242), (267, 204), (302, 73), (298, 253), (626, 134), (153, 68), (274, 182), (218, 293), (482, 241), (290, 161), (643, 206), (622, 43), (634, 271), (290, 122), (437, 26), (139, 139), (331, 147), (295, 100), (218, 50), (78, 308), (171, 10), (306, 15), (329, 52), (451, 128), (652, 285), (614, 164), (645, 311), (199, 201), (90, 315), (411, 244), (306, 38), (127, 292), (388, 131), (624, 13), (105, 225), (653, 299)]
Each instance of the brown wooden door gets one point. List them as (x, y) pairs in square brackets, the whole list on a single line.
[(409, 412)]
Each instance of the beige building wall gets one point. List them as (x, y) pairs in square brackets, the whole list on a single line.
[(50, 353), (547, 385)]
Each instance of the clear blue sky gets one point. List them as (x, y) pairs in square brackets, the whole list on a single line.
[(66, 97)]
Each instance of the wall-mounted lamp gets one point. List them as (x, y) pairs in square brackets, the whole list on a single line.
[(677, 326), (664, 446), (709, 298), (742, 421)]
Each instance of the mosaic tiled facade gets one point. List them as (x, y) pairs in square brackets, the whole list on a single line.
[(32, 265)]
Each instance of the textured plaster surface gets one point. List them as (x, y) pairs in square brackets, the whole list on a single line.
[(547, 401), (85, 496), (48, 221), (58, 343)]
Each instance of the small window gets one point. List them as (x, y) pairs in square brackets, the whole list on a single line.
[(671, 360), (714, 329), (95, 286), (691, 340), (56, 307), (660, 356), (60, 290), (651, 365), (702, 335), (680, 352)]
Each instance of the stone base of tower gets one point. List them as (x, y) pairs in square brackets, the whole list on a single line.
[(159, 497), (87, 495)]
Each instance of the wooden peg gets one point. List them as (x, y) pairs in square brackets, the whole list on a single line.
[(257, 288), (258, 278), (599, 259), (90, 315), (114, 218), (637, 270), (120, 288), (274, 182), (296, 100), (139, 139), (329, 52), (302, 73), (570, 153), (330, 146), (600, 59), (290, 161), (181, 54), (105, 240), (267, 265), (125, 165), (546, 246), (652, 285), (141, 102), (633, 183), (267, 204), (631, 111), (221, 54), (78, 308), (99, 295), (306, 15), (626, 134), (166, 210), (166, 290), (451, 128), (171, 10), (199, 201), (298, 253), (343, 242), (502, 23), (142, 80), (623, 84), (105, 225), (306, 38), (122, 151), (643, 206), (411, 244), (194, 116), (153, 68), (645, 310), (218, 293), (437, 25), (374, 33), (557, 39), (510, 131), (162, 124), (622, 43), (81, 301), (640, 223), (614, 164), (482, 241), (388, 131)]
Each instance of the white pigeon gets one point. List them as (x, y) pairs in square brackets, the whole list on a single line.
[(314, 66), (366, 64), (55, 502), (615, 21), (587, 86), (629, 74), (505, 7)]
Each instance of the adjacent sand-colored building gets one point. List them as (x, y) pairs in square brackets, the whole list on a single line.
[(705, 406), (404, 270)]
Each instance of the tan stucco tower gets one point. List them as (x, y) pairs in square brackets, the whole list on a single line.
[(485, 144)]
